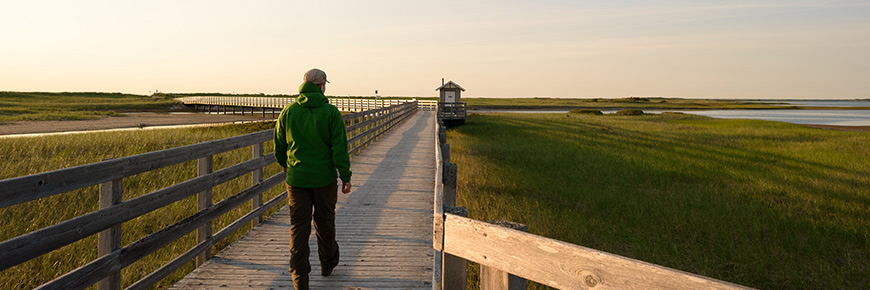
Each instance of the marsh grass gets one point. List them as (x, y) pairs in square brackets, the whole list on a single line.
[(23, 106), (23, 156), (586, 111), (764, 204)]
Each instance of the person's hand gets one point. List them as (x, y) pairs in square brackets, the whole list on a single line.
[(345, 187)]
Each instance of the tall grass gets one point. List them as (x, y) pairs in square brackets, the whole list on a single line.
[(24, 106), (23, 156), (764, 204)]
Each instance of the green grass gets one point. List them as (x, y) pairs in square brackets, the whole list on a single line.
[(586, 111), (22, 106), (23, 156), (763, 204)]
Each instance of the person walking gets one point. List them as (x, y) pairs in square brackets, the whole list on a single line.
[(311, 146)]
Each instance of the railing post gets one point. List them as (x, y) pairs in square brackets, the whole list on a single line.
[(453, 268), (110, 239), (495, 279), (256, 178), (449, 182), (203, 202)]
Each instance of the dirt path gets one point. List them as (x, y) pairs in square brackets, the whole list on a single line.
[(131, 120)]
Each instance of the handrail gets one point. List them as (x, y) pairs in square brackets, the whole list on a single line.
[(365, 127), (507, 254), (343, 104)]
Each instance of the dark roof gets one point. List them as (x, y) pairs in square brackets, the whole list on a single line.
[(450, 85)]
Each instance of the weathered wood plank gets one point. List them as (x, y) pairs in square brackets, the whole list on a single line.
[(454, 268), (438, 214), (496, 279), (559, 264), (257, 177), (205, 166), (109, 240)]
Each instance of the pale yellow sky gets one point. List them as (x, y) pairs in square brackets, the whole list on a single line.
[(586, 49)]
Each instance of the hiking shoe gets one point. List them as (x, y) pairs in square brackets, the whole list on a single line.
[(326, 271)]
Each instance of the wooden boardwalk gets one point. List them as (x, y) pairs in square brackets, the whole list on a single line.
[(383, 227)]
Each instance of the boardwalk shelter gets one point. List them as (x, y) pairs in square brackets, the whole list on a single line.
[(450, 108)]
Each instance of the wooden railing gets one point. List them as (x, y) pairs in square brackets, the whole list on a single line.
[(362, 128), (343, 104), (451, 111), (508, 255)]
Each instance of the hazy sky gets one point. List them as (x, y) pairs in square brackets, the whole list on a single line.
[(506, 48)]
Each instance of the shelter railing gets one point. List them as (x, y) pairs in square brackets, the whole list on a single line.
[(451, 111)]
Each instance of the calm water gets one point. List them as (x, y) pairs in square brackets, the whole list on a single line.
[(814, 117), (811, 103)]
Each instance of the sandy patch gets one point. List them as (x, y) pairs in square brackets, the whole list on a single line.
[(131, 120)]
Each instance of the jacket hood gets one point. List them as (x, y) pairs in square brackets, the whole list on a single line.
[(310, 95)]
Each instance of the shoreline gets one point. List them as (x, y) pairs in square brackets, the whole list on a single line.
[(130, 120)]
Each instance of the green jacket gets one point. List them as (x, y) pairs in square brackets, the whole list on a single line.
[(311, 141)]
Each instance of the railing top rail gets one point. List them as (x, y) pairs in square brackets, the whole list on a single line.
[(560, 264)]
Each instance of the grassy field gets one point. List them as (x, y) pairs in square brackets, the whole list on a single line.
[(21, 106), (23, 156), (763, 204), (637, 103)]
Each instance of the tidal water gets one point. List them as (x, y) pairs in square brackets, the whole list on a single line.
[(806, 117)]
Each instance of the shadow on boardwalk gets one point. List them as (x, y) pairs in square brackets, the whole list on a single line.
[(383, 227)]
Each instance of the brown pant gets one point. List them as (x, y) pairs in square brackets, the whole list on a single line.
[(301, 201)]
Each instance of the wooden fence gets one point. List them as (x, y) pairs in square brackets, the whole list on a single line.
[(508, 255), (362, 129), (273, 103)]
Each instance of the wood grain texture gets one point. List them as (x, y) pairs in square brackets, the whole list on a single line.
[(383, 226), (438, 212), (257, 177), (108, 240), (559, 264), (496, 279), (205, 166)]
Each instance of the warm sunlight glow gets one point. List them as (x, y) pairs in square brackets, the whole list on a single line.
[(692, 49)]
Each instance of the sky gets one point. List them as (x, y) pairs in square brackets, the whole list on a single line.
[(759, 49)]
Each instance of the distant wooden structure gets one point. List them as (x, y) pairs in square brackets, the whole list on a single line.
[(451, 109)]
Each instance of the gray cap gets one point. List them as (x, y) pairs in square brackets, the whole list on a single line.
[(315, 76)]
